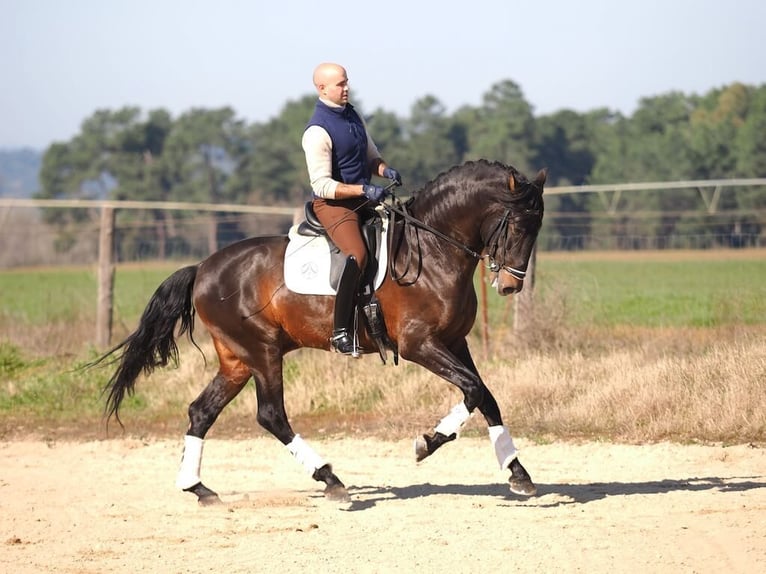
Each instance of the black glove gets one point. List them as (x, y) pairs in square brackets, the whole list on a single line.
[(393, 175), (374, 193)]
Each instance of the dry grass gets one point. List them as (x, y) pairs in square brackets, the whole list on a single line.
[(637, 394), (623, 383), (681, 385)]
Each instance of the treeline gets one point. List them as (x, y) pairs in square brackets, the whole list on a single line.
[(212, 155)]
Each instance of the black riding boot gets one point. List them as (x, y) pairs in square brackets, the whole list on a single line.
[(342, 336)]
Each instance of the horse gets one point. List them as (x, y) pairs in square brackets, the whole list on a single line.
[(479, 211)]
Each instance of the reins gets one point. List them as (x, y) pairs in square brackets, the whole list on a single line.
[(500, 231), (426, 227)]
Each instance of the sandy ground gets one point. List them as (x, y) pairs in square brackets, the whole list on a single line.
[(111, 506)]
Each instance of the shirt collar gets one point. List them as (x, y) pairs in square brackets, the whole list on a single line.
[(332, 105)]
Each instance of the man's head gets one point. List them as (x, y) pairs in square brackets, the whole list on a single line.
[(331, 83)]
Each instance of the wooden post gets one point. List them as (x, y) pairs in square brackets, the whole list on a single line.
[(523, 301), (212, 234), (105, 298), (484, 313)]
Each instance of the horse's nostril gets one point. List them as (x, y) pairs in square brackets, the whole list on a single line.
[(514, 288)]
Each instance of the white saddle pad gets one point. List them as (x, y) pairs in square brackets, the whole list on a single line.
[(307, 262)]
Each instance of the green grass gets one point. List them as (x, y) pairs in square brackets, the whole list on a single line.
[(658, 293), (603, 293), (46, 295), (49, 295)]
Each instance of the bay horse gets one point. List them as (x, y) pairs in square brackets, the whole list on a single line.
[(477, 211)]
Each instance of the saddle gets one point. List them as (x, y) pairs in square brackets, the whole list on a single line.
[(313, 266), (372, 231)]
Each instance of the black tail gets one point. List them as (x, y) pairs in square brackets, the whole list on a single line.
[(153, 344)]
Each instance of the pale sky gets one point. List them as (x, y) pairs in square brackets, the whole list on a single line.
[(61, 60)]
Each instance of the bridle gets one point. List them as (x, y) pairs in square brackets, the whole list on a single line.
[(499, 233)]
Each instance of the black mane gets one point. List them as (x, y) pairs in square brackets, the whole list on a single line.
[(462, 186)]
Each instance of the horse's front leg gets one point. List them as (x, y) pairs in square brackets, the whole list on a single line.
[(446, 431), (478, 396), (505, 450), (441, 361)]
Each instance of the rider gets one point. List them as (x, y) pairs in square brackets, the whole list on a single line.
[(341, 158)]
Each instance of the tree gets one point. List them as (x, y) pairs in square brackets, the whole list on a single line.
[(713, 128), (428, 143), (567, 144), (201, 155), (274, 169), (388, 132), (565, 147), (106, 159), (750, 139), (505, 127)]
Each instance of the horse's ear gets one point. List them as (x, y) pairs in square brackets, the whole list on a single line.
[(512, 183), (542, 175)]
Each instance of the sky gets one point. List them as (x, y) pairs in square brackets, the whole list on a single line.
[(61, 60)]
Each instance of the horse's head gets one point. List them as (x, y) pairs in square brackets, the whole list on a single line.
[(510, 244)]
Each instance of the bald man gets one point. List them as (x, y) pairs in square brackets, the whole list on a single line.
[(341, 158)]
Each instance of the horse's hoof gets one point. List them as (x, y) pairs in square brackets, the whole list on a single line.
[(421, 448), (520, 481), (522, 487), (337, 493), (209, 500), (205, 496), (426, 445)]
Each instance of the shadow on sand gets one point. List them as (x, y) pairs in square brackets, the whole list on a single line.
[(552, 495)]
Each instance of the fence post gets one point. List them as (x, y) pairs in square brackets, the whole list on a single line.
[(484, 311), (105, 297), (523, 302)]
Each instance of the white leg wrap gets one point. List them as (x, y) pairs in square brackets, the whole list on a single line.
[(305, 455), (188, 474), (454, 420), (503, 444)]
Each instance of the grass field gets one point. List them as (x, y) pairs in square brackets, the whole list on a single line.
[(681, 289), (38, 296), (634, 346), (674, 291)]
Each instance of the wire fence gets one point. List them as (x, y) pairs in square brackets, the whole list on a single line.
[(66, 232), (26, 240)]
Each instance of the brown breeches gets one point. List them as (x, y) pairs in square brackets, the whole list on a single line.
[(340, 217)]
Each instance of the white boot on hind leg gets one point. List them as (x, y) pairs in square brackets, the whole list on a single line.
[(191, 462)]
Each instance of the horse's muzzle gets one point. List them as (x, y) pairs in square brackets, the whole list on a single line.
[(507, 284)]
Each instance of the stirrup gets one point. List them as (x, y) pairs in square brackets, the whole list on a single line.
[(342, 342)]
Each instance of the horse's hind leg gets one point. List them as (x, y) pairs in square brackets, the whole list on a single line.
[(272, 417), (203, 412)]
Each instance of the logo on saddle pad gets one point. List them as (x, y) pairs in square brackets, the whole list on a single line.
[(309, 267)]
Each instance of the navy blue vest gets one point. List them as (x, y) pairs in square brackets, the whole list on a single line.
[(349, 142)]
